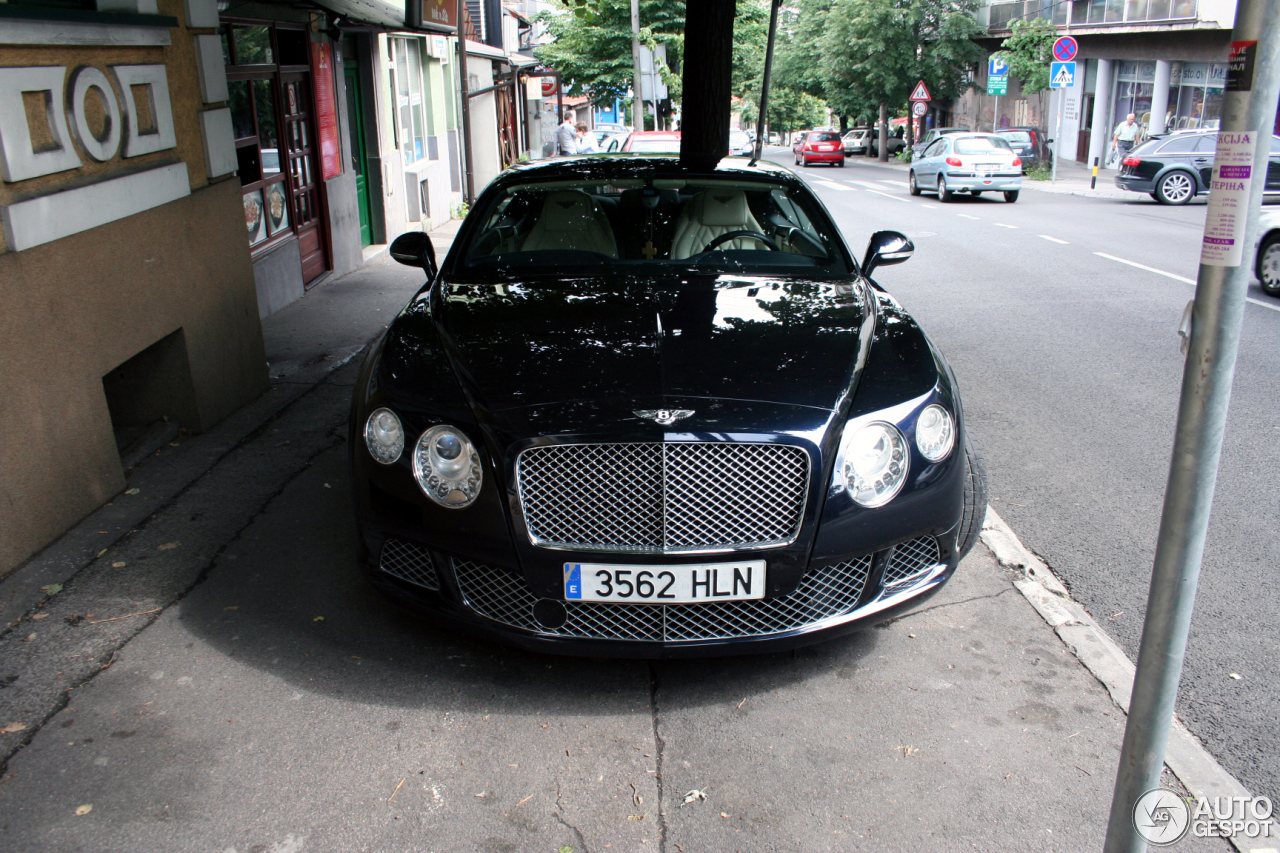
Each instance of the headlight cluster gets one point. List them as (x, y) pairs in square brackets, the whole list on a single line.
[(875, 457), (445, 462)]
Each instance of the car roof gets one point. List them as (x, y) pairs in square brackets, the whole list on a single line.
[(657, 134)]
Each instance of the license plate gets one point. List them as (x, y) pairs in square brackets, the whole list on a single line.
[(684, 584), (987, 168)]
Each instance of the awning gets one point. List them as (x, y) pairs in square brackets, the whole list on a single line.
[(434, 16)]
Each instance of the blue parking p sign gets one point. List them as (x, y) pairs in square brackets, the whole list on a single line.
[(997, 67), (1062, 75)]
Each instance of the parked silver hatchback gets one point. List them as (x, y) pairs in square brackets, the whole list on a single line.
[(971, 163)]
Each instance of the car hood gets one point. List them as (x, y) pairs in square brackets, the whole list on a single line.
[(790, 341)]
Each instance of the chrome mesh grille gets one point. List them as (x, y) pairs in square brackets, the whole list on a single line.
[(663, 497), (503, 596), (910, 561), (408, 562)]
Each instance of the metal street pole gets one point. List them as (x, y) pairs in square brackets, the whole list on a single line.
[(762, 124), (1057, 135), (637, 103), (995, 116), (464, 84), (1235, 200)]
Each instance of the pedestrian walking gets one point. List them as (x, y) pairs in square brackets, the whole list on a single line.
[(1126, 135), (567, 137)]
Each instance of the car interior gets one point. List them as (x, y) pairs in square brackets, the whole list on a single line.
[(645, 222)]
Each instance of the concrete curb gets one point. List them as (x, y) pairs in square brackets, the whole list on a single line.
[(1185, 756)]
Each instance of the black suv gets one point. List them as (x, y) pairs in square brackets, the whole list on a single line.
[(1176, 168)]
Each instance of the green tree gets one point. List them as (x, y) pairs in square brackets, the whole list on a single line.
[(1029, 49), (874, 51), (591, 44), (789, 110)]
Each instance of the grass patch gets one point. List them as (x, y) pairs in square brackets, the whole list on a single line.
[(1038, 172)]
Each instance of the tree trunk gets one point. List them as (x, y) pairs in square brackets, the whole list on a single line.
[(883, 133), (708, 62)]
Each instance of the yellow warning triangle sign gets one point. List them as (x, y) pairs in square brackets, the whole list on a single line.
[(921, 93)]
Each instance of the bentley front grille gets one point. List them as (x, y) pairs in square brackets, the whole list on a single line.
[(669, 497), (827, 591), (409, 562), (910, 562)]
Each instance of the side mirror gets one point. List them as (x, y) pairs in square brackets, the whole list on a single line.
[(414, 249), (886, 248)]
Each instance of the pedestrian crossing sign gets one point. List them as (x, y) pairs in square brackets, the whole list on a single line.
[(1062, 75), (920, 93)]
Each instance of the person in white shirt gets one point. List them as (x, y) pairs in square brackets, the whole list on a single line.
[(566, 138), (1126, 135), (586, 140)]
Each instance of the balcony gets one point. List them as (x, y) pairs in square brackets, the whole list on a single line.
[(1089, 13)]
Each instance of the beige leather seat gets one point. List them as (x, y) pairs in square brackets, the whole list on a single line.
[(708, 215), (570, 220)]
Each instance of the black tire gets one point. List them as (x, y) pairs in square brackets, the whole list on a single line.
[(975, 500), (976, 193), (1269, 278), (912, 186), (841, 164), (944, 194), (1010, 196), (797, 159), (1176, 188)]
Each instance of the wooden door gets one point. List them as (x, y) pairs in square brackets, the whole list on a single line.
[(304, 175)]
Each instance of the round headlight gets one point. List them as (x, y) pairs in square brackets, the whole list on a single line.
[(384, 436), (935, 433), (875, 464), (447, 467)]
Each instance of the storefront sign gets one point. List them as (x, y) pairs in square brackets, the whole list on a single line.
[(1229, 200), (1240, 66), (326, 111)]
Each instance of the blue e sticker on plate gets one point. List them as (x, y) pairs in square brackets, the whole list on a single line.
[(573, 580)]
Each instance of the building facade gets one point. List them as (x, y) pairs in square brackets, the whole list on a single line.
[(1162, 60), (128, 307)]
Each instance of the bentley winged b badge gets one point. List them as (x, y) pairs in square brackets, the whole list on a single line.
[(663, 417)]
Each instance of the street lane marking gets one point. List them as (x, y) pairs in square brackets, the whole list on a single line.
[(1054, 240), (832, 185), (1180, 278), (886, 195), (966, 216), (1002, 225), (867, 184), (1147, 268), (895, 183), (930, 206)]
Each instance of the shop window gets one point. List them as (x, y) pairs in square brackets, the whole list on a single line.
[(406, 89), (269, 97)]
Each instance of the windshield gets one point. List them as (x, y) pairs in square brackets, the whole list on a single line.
[(1016, 136), (981, 145), (823, 137), (656, 146), (642, 226), (737, 137)]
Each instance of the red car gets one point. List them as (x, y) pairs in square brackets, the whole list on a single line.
[(820, 146), (653, 142)]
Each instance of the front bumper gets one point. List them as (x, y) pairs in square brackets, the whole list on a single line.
[(496, 602)]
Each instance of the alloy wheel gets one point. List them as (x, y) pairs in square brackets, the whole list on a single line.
[(1176, 188), (1269, 267)]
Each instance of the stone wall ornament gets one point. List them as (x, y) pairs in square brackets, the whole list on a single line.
[(100, 148), (19, 160)]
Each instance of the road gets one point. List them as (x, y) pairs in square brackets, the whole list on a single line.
[(1067, 353)]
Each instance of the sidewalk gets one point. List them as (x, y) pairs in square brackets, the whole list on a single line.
[(1074, 179), (218, 677)]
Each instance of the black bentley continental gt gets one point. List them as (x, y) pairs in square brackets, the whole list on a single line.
[(646, 411)]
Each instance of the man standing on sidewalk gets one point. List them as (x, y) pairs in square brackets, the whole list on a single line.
[(567, 137), (1126, 134)]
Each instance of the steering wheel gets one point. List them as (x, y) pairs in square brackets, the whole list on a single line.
[(734, 235)]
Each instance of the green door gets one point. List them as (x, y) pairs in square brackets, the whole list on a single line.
[(359, 163)]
